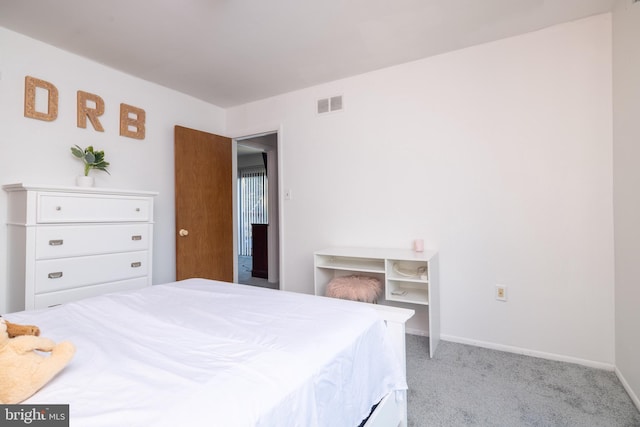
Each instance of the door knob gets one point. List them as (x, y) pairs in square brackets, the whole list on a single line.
[(183, 232)]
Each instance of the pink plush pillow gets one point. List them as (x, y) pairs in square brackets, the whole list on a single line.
[(356, 288)]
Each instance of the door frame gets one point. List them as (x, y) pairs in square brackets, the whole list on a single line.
[(278, 263)]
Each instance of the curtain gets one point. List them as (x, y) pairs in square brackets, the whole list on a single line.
[(253, 196)]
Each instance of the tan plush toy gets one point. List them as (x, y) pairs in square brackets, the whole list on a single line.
[(23, 371), (14, 329)]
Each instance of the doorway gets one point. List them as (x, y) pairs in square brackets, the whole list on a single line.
[(257, 218)]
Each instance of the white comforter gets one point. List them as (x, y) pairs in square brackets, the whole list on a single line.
[(205, 353)]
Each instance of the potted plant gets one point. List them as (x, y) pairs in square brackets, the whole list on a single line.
[(92, 160)]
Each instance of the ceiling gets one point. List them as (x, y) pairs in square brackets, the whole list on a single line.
[(230, 52)]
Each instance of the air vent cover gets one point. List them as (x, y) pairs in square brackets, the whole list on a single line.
[(336, 103), (323, 105), (327, 105)]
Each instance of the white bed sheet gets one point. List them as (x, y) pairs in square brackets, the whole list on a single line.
[(201, 352)]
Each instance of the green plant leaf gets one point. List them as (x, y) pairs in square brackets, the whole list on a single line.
[(89, 157), (77, 151), (99, 156), (92, 159)]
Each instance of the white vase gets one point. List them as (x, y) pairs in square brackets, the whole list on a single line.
[(84, 181)]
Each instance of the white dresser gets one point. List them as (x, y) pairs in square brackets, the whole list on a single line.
[(69, 243)]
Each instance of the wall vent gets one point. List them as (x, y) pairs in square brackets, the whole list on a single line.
[(328, 105), (336, 103), (323, 105)]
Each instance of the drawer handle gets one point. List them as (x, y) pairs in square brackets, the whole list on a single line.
[(136, 237), (136, 264), (56, 275), (137, 209), (58, 208), (56, 242)]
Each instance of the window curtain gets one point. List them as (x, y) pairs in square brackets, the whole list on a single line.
[(253, 196)]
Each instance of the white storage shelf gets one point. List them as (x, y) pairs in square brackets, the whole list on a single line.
[(407, 281), (351, 264), (407, 292), (408, 276)]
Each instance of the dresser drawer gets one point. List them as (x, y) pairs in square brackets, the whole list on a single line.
[(66, 273), (68, 295), (79, 240), (60, 207)]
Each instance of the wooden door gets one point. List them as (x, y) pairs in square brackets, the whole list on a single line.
[(204, 205)]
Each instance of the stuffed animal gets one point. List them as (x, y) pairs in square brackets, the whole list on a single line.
[(14, 329), (23, 371)]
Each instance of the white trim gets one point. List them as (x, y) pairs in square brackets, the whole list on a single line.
[(528, 352), (281, 207), (267, 130), (628, 388), (256, 132), (272, 212)]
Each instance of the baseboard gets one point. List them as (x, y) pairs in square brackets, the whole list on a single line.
[(527, 352), (628, 389), (419, 332)]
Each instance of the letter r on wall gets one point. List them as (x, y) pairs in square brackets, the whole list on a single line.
[(84, 111)]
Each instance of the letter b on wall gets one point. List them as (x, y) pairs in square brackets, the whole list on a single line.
[(132, 121)]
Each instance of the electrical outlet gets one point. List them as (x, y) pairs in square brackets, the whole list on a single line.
[(501, 292)]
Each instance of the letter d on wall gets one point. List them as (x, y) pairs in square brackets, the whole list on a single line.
[(30, 85)]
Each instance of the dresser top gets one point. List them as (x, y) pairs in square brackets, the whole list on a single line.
[(85, 190)]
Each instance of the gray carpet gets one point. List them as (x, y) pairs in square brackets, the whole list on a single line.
[(245, 278), (470, 386)]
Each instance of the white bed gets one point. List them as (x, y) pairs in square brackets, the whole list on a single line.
[(201, 352)]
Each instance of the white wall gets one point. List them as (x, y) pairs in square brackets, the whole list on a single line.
[(626, 160), (499, 156), (38, 152)]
